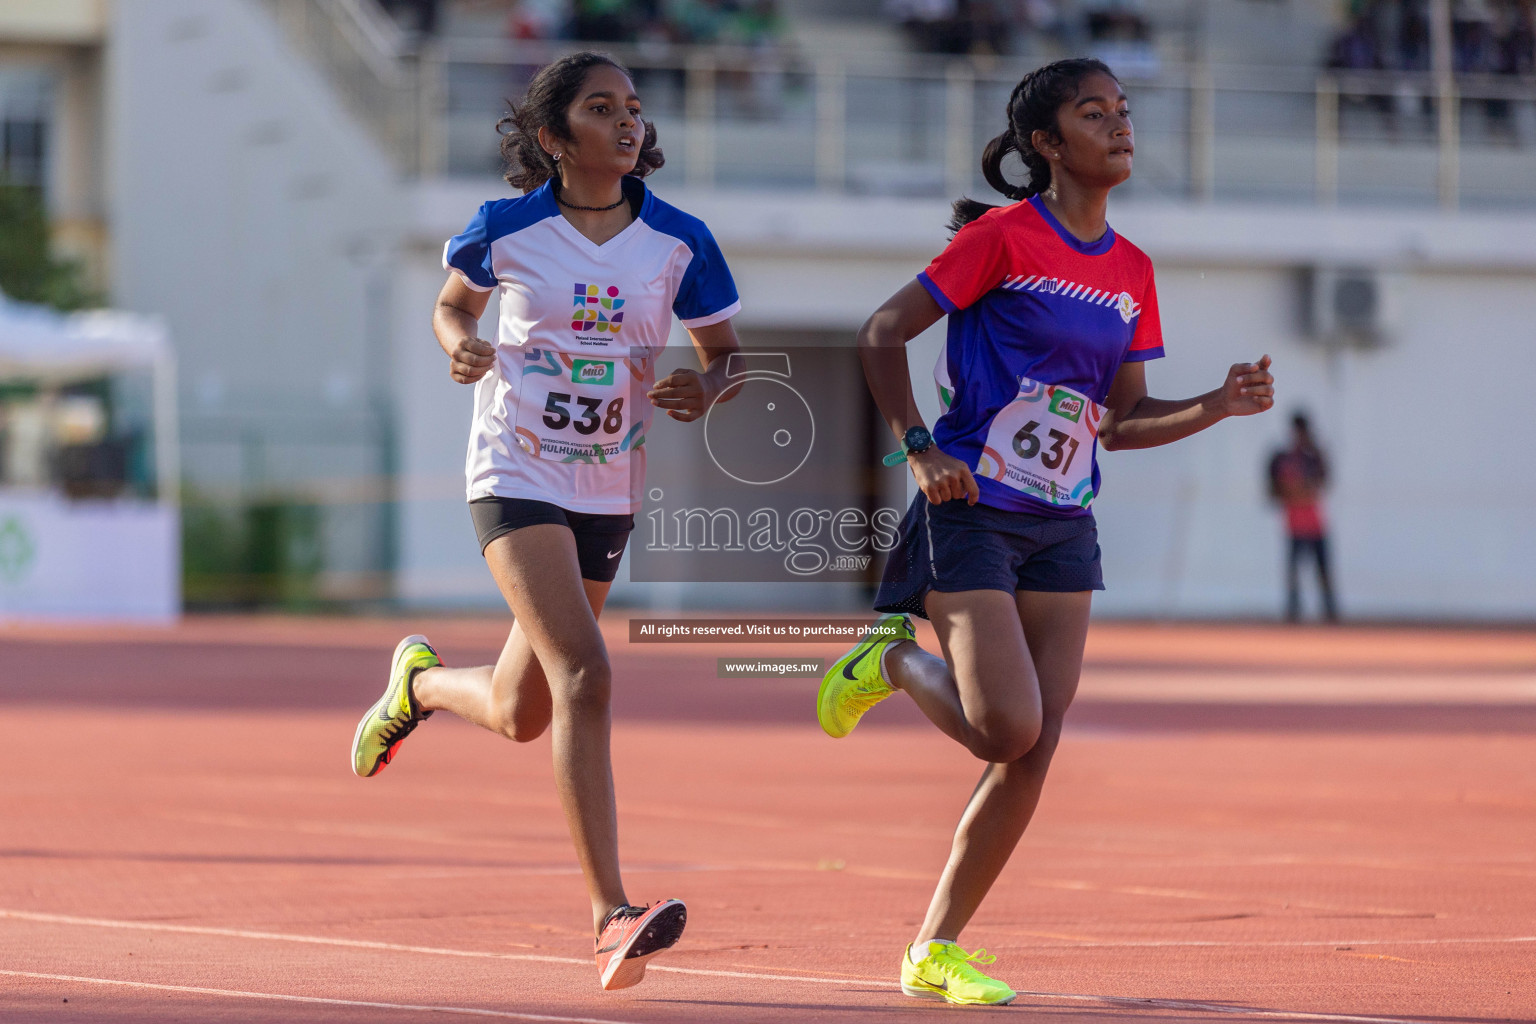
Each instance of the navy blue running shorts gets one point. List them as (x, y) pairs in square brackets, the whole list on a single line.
[(954, 547), (600, 539)]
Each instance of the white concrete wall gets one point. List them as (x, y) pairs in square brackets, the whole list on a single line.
[(1187, 529), (250, 211)]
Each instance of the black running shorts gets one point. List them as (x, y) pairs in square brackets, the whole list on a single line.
[(954, 547), (600, 539)]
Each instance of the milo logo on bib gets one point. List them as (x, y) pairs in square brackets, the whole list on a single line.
[(1067, 405), (1031, 449), (591, 371)]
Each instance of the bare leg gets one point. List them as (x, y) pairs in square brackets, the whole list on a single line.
[(1325, 583), (537, 571), (989, 702), (510, 697), (1055, 628)]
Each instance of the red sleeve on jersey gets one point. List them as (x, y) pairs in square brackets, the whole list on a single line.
[(969, 267), (1147, 341)]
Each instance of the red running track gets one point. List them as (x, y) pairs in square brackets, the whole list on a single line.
[(1243, 824)]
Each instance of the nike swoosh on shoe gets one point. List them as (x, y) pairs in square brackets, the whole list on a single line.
[(848, 668)]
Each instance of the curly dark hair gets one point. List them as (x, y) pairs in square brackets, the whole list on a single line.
[(549, 96), (1032, 107)]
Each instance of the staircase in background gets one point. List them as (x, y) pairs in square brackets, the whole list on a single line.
[(371, 63)]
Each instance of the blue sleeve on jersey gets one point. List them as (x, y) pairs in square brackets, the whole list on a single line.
[(937, 293), (707, 288), (1141, 355), (469, 252)]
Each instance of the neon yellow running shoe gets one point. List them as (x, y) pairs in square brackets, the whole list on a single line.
[(854, 683), (949, 973), (391, 720)]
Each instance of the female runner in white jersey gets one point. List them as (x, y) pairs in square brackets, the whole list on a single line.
[(1051, 319), (590, 267)]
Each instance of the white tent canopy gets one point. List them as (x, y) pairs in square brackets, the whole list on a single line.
[(41, 339)]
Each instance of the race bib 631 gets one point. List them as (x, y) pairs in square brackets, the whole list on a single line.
[(1042, 444)]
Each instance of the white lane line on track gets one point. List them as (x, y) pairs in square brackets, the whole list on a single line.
[(1173, 1004), (465, 1011), (320, 940), (469, 1011), (1292, 944), (1237, 1011)]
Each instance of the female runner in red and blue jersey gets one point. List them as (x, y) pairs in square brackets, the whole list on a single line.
[(1052, 317)]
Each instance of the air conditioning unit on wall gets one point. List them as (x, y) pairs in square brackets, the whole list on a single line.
[(1347, 307)]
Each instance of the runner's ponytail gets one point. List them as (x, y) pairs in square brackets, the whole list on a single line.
[(1032, 107)]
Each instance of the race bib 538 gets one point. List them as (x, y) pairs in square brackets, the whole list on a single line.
[(578, 409)]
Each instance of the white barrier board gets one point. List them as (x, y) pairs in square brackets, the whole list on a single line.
[(99, 560)]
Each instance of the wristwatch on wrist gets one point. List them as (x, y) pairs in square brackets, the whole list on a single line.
[(916, 440)]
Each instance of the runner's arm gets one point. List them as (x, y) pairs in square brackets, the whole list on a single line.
[(1136, 420), (687, 394), (456, 322), (883, 351)]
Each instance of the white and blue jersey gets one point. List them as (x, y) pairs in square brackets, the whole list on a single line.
[(560, 417)]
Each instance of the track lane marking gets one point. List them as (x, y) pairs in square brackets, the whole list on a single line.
[(322, 940), (465, 1011), (1173, 1004), (1295, 943), (1077, 885), (1227, 1008)]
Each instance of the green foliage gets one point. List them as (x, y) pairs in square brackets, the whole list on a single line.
[(261, 554), (28, 271)]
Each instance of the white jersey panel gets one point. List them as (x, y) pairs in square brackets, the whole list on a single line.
[(579, 320)]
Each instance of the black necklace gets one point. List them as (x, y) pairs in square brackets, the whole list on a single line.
[(592, 209)]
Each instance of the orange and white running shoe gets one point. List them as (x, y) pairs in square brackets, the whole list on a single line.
[(632, 935)]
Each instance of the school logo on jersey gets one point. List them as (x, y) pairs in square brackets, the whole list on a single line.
[(592, 371), (596, 308), (1127, 306), (1067, 406)]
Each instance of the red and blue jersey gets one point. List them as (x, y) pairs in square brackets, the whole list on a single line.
[(1026, 298)]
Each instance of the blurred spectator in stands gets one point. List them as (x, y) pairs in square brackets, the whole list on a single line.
[(1357, 48), (611, 21), (932, 26), (698, 21), (1519, 56), (759, 27), (1476, 49), (955, 26), (1405, 30), (1043, 19), (1120, 35), (1488, 37), (417, 17), (1297, 477), (538, 19), (1475, 45)]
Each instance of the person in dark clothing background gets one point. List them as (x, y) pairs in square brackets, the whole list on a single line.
[(1297, 477)]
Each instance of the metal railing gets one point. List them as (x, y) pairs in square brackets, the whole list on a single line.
[(915, 124), (368, 61)]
